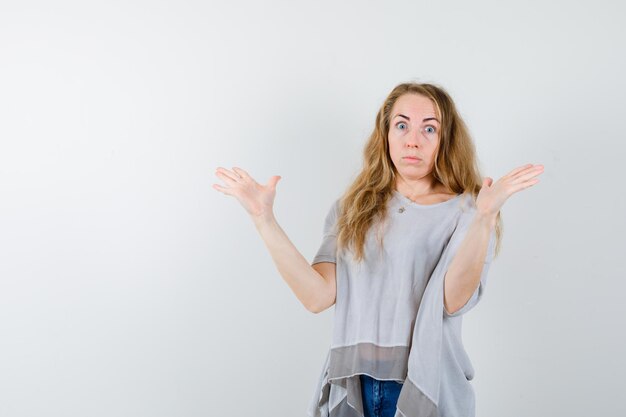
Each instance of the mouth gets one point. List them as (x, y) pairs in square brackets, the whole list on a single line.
[(411, 158)]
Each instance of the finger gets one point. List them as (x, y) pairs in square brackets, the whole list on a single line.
[(227, 178), (232, 175), (242, 173), (521, 177), (524, 185), (224, 190), (523, 170), (518, 170)]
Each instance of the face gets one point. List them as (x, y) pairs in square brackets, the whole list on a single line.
[(414, 132)]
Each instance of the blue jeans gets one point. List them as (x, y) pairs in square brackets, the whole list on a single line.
[(379, 397)]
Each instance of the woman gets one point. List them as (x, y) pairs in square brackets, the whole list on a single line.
[(405, 254)]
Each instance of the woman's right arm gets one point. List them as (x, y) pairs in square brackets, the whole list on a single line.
[(314, 285)]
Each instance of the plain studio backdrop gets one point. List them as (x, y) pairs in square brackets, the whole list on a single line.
[(130, 287)]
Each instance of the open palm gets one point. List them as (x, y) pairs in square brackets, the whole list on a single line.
[(492, 195), (257, 199)]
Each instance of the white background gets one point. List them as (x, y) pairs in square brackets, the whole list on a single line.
[(130, 287)]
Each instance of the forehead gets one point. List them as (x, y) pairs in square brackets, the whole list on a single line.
[(414, 105)]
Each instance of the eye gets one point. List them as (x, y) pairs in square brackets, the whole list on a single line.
[(431, 127), (400, 123)]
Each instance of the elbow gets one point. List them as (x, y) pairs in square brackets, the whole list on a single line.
[(315, 308), (320, 306), (451, 312), (450, 308), (311, 307), (322, 299)]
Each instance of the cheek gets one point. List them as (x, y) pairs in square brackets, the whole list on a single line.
[(393, 146), (433, 149), (396, 152)]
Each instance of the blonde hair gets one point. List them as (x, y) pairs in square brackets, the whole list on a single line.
[(455, 167)]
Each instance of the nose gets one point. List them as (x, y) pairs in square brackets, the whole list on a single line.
[(415, 139)]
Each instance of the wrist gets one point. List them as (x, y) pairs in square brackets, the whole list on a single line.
[(487, 219), (264, 219)]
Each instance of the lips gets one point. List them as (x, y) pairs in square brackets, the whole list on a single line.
[(415, 158)]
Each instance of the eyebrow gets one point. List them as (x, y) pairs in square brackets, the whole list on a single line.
[(425, 120)]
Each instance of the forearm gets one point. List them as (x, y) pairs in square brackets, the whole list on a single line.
[(305, 282), (463, 275)]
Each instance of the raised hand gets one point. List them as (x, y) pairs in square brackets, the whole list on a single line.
[(257, 199), (492, 195)]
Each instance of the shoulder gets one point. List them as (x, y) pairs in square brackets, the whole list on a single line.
[(465, 211), (468, 201)]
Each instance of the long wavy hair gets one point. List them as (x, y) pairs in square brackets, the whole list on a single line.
[(456, 168)]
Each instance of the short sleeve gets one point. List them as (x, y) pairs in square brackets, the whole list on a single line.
[(327, 251), (478, 293)]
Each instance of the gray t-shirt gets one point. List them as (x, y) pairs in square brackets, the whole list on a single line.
[(389, 319)]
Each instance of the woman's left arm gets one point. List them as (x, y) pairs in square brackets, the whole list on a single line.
[(464, 272)]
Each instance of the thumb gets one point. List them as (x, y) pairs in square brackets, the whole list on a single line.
[(274, 180), (487, 181)]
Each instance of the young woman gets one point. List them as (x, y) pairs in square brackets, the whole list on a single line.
[(405, 254)]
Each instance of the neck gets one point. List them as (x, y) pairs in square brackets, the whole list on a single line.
[(423, 186)]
